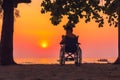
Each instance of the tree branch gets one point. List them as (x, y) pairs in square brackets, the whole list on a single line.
[(16, 2)]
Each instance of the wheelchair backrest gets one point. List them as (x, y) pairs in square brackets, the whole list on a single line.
[(69, 41)]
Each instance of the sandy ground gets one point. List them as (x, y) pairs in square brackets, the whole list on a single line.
[(57, 72)]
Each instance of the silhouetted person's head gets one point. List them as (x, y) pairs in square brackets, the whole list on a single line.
[(69, 30)]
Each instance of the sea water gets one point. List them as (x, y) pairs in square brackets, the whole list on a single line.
[(56, 60)]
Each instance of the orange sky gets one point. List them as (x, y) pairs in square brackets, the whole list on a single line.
[(33, 27)]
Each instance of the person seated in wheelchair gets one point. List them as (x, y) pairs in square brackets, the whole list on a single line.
[(70, 46), (69, 41)]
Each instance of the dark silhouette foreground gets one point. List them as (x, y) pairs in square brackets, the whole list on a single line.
[(56, 72)]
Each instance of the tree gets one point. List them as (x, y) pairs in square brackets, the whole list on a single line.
[(112, 9), (88, 9), (74, 10), (6, 54)]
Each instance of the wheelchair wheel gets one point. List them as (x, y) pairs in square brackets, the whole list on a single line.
[(62, 57), (62, 61), (78, 60), (79, 56)]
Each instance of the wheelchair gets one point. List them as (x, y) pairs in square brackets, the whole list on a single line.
[(70, 53)]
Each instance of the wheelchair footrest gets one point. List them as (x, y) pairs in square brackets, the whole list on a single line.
[(69, 59)]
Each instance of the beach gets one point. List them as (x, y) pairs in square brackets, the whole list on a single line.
[(56, 72)]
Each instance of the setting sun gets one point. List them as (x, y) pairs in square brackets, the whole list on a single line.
[(44, 44)]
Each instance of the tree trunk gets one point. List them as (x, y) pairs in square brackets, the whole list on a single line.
[(6, 56), (118, 59)]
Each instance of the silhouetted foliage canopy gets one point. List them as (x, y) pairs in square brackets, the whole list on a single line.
[(74, 10), (111, 8)]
